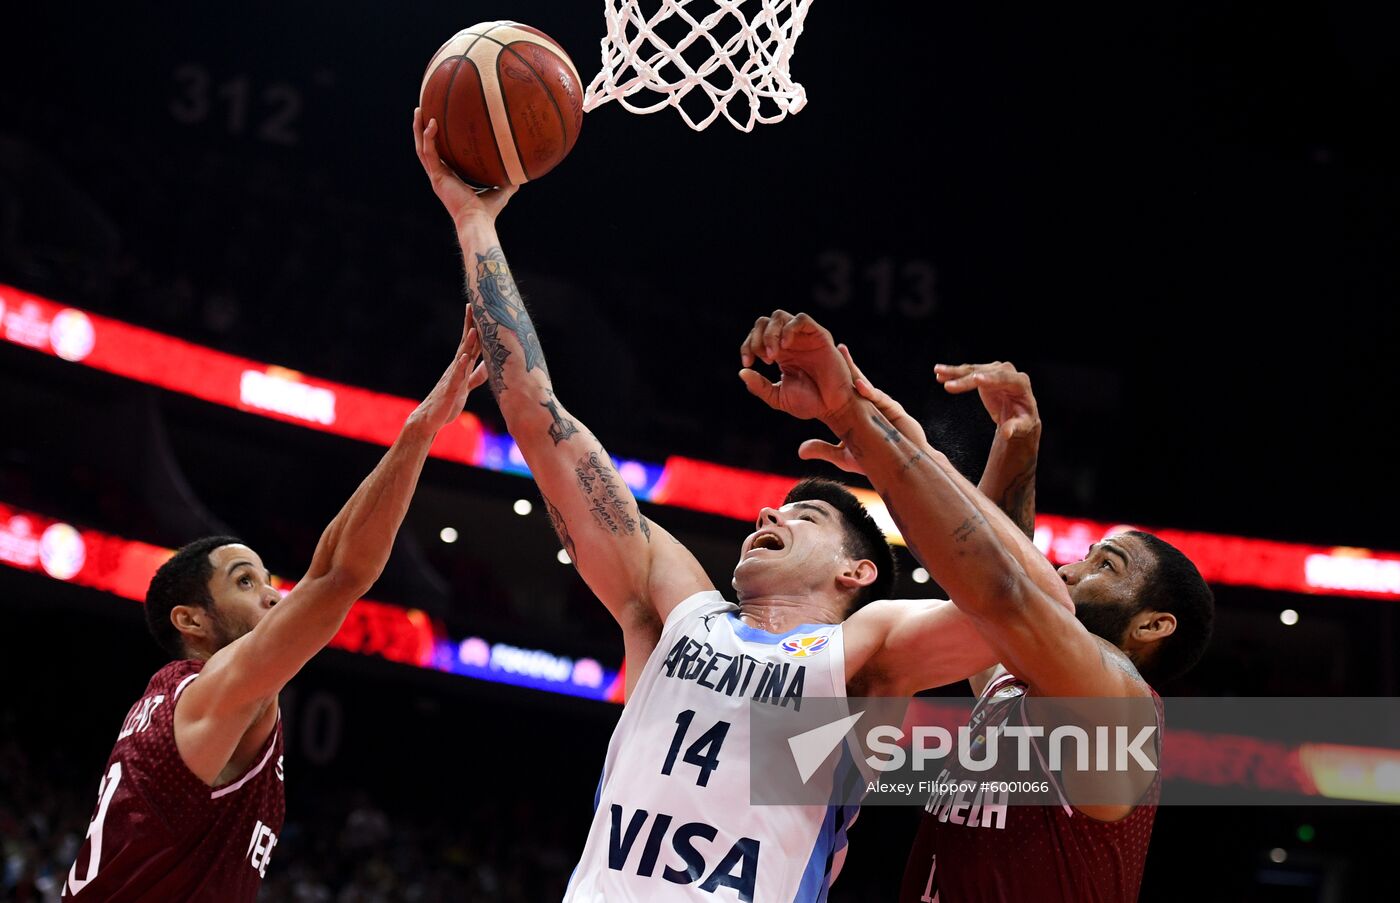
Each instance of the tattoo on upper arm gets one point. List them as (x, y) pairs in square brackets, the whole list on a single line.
[(608, 500), (561, 529), (646, 528), (498, 305), (561, 428)]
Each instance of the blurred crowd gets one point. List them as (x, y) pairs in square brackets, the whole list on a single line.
[(348, 850)]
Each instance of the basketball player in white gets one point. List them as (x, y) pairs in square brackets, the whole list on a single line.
[(672, 819)]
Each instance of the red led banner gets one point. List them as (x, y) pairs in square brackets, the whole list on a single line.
[(36, 543), (1238, 561), (123, 567), (286, 395), (177, 365)]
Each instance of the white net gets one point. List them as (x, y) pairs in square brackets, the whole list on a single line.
[(736, 53)]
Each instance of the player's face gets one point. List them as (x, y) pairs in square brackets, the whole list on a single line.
[(1105, 586), (796, 548), (242, 591)]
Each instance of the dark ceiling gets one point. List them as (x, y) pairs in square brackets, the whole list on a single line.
[(1179, 218)]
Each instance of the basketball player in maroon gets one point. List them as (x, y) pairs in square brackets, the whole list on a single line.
[(1141, 612), (191, 802)]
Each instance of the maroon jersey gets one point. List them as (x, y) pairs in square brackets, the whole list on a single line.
[(984, 851), (159, 832)]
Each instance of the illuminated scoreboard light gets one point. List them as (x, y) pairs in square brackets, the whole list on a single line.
[(291, 397), (123, 567), (39, 544)]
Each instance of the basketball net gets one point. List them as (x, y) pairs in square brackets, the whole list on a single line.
[(747, 69)]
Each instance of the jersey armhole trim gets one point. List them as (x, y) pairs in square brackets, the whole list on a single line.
[(997, 684), (690, 605), (180, 687), (256, 769)]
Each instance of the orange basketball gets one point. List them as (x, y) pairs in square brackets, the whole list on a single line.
[(508, 102)]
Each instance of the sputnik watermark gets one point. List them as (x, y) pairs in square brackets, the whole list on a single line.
[(944, 788), (974, 758), (1110, 748), (911, 750)]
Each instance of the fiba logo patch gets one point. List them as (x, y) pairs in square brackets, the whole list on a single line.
[(805, 646)]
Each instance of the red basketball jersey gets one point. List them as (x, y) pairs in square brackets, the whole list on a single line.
[(159, 832), (976, 851)]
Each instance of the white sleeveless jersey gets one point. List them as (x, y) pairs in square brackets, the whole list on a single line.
[(672, 819)]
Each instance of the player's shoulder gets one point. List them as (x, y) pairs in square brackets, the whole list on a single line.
[(887, 612), (700, 604), (174, 676), (1128, 681), (874, 625)]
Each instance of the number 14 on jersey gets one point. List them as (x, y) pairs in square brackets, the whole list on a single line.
[(703, 753)]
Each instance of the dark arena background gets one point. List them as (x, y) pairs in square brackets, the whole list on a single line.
[(1179, 219)]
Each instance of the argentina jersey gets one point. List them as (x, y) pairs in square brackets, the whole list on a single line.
[(672, 818)]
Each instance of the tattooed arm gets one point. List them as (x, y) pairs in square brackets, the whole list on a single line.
[(926, 643), (1001, 582), (634, 566), (1009, 477)]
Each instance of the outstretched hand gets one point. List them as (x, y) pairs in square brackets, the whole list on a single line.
[(463, 202), (465, 373), (814, 379), (1005, 392), (900, 419)]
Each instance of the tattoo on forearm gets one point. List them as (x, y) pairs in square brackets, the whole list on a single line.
[(561, 529), (891, 434), (895, 437), (492, 351), (1018, 500), (498, 305), (646, 528), (561, 428), (608, 500), (968, 528)]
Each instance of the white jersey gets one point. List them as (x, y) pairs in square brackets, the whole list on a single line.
[(672, 818)]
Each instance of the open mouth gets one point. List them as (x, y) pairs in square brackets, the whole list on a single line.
[(769, 541)]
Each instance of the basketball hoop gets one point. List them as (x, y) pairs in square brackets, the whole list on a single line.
[(739, 63)]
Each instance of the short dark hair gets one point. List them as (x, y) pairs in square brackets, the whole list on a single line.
[(864, 538), (182, 580), (1176, 587)]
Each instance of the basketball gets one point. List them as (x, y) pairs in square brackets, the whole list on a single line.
[(508, 102)]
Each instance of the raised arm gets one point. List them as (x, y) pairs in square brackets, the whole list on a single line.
[(633, 566), (918, 644), (241, 681), (995, 576), (1009, 477)]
